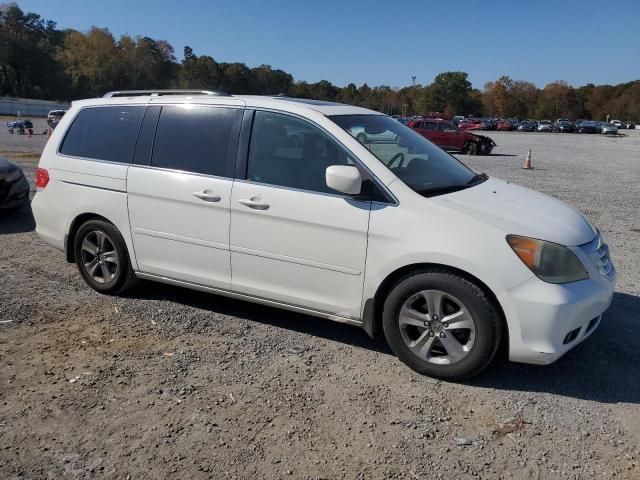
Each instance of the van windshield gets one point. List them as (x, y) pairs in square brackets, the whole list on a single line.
[(421, 165)]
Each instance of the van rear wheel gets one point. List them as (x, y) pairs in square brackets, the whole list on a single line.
[(102, 258), (441, 325)]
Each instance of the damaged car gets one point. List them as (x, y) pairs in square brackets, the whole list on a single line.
[(451, 138)]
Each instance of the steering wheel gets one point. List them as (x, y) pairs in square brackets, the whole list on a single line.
[(397, 156)]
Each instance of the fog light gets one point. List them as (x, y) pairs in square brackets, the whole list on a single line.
[(571, 336)]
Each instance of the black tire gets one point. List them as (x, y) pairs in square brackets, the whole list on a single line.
[(485, 149), (361, 137), (119, 265), (486, 319), (471, 148)]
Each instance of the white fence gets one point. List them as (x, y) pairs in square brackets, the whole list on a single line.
[(26, 107)]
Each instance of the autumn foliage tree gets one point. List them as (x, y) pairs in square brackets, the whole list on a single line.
[(558, 99), (38, 60)]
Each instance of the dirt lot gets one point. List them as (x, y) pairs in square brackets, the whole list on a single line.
[(169, 383)]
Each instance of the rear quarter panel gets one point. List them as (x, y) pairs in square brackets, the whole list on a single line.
[(79, 186)]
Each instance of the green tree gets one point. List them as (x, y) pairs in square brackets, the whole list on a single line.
[(522, 99), (236, 78), (452, 91), (145, 63), (199, 72), (28, 67), (91, 61)]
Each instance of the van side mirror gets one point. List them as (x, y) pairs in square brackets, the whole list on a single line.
[(344, 179)]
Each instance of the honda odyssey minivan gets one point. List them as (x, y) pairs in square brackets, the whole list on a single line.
[(211, 191)]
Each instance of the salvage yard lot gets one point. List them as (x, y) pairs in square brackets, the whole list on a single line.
[(171, 383)]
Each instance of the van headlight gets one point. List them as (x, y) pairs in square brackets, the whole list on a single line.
[(549, 261)]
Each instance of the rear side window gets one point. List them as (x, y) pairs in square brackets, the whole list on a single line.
[(104, 133), (430, 126), (194, 139)]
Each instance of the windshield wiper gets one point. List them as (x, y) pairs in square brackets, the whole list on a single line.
[(432, 192), (477, 178)]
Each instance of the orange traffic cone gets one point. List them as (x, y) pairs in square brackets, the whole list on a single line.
[(527, 163), (48, 133)]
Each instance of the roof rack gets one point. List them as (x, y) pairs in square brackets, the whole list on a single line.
[(159, 93)]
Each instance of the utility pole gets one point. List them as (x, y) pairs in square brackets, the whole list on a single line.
[(413, 81)]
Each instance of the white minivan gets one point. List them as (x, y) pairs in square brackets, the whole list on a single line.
[(274, 200)]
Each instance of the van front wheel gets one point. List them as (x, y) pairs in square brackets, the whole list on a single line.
[(102, 258), (441, 325)]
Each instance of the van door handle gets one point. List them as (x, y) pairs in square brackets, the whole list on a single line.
[(207, 196), (254, 202)]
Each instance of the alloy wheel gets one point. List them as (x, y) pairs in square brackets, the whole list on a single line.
[(99, 256), (437, 327)]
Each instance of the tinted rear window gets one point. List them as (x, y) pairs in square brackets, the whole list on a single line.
[(104, 133), (194, 139)]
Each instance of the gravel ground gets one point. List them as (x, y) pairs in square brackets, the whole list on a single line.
[(170, 383)]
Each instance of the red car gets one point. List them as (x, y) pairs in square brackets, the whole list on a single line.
[(448, 137), (505, 125), (471, 124)]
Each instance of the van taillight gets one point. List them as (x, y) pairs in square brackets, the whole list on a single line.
[(42, 178)]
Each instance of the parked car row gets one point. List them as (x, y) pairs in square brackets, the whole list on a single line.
[(456, 135), (590, 126), (561, 125)]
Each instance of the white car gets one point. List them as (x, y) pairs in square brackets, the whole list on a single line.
[(545, 126), (609, 129), (208, 191), (370, 136), (617, 123)]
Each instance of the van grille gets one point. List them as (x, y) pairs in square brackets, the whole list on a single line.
[(598, 251)]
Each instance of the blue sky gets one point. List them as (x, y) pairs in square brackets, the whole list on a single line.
[(386, 42)]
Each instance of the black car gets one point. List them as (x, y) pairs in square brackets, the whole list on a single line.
[(489, 124), (564, 126), (14, 187), (588, 126)]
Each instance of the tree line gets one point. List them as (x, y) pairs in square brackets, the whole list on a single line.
[(38, 60)]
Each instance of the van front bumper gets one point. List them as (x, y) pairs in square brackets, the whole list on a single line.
[(546, 320)]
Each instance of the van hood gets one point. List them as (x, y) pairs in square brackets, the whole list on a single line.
[(520, 211)]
